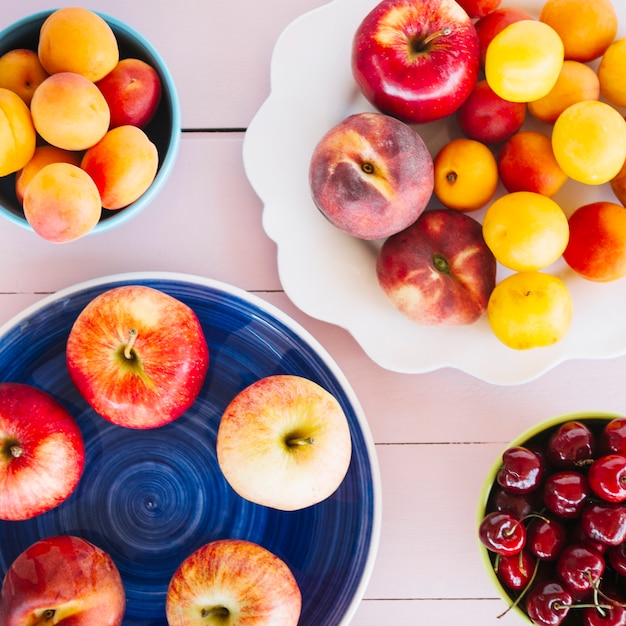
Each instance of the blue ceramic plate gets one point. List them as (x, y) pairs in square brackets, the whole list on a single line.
[(150, 498)]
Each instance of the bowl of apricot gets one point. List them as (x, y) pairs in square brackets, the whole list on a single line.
[(552, 521), (93, 115)]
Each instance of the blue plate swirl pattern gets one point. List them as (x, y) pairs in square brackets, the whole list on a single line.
[(152, 497)]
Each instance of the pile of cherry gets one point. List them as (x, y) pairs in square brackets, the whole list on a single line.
[(555, 524)]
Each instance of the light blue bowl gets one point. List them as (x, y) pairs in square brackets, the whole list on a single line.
[(164, 130)]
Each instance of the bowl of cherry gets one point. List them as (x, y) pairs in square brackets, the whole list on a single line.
[(552, 522)]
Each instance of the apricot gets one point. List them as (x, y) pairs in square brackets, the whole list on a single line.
[(586, 27), (21, 72), (527, 163), (18, 137), (576, 82), (597, 243), (43, 156), (62, 203), (611, 73), (618, 184), (488, 26), (75, 39), (69, 111), (123, 165)]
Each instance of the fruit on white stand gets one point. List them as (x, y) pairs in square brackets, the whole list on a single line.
[(62, 580), (417, 61), (233, 582), (439, 271), (42, 452), (284, 442), (371, 175), (138, 356)]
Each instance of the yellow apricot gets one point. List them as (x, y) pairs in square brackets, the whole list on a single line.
[(69, 111), (21, 72), (18, 137), (75, 39)]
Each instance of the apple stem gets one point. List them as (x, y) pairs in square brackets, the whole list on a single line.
[(215, 611), (132, 337), (300, 441), (16, 451), (423, 43)]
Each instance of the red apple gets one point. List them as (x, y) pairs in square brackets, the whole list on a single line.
[(487, 117), (42, 452), (417, 61), (233, 582), (490, 25), (371, 175), (284, 442), (138, 356), (132, 90), (479, 8), (62, 580), (439, 271)]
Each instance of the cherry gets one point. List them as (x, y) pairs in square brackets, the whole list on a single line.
[(521, 471), (520, 504), (578, 535), (604, 616), (613, 437), (580, 567), (548, 603), (502, 533), (604, 522), (617, 558), (565, 493), (516, 571), (571, 445), (607, 477), (546, 538)]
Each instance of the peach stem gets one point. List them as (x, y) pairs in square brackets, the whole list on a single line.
[(132, 337)]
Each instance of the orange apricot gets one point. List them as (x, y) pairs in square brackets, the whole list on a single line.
[(587, 27), (612, 73), (576, 82)]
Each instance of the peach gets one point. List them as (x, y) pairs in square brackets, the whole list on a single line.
[(527, 163), (576, 82), (618, 184), (62, 203), (43, 155), (586, 27), (18, 137), (439, 271), (75, 39), (21, 72), (69, 111), (371, 175), (123, 165), (133, 92), (487, 117), (488, 26)]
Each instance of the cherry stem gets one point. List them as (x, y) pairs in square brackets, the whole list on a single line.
[(300, 441), (523, 592), (132, 337), (16, 451)]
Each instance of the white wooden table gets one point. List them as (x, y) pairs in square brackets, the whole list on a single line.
[(436, 434)]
